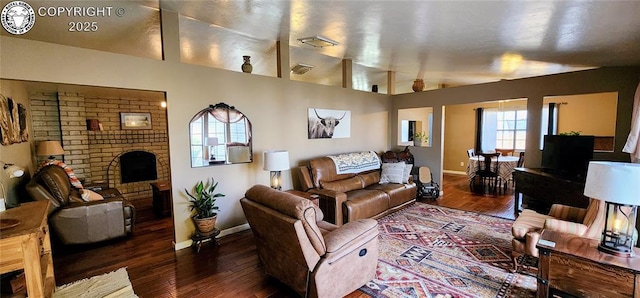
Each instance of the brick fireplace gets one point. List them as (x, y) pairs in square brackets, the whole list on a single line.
[(95, 155)]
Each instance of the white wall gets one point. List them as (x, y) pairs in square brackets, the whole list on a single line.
[(276, 107)]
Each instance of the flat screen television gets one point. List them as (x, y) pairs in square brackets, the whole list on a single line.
[(567, 155)]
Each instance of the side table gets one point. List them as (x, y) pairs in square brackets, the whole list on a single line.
[(572, 265), (161, 198), (25, 244), (108, 193), (198, 239), (309, 196)]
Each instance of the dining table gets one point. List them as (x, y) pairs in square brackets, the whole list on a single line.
[(505, 168)]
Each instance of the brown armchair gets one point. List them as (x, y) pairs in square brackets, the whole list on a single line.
[(526, 230), (75, 221), (313, 257)]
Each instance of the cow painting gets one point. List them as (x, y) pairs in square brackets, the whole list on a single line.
[(325, 124)]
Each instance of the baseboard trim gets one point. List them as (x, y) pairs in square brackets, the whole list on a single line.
[(454, 172), (233, 230), (225, 232)]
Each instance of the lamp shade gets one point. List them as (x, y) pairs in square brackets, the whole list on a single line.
[(212, 142), (276, 160), (49, 148), (614, 182)]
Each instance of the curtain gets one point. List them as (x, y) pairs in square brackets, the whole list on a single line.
[(489, 133), (549, 125), (633, 143), (478, 143)]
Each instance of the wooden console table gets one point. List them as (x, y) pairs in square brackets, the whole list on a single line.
[(545, 189), (576, 267), (27, 246)]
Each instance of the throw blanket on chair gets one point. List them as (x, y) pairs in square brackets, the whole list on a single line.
[(356, 162), (75, 182)]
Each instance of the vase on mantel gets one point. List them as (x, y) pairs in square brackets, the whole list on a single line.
[(418, 85), (246, 66)]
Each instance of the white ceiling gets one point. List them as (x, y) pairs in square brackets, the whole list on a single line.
[(443, 42)]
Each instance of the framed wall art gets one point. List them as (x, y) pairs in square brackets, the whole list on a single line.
[(135, 120), (327, 124)]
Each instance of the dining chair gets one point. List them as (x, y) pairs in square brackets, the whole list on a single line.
[(520, 160), (505, 152), (519, 164), (487, 173), (471, 152)]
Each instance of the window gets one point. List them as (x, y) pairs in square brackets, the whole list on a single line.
[(220, 134), (504, 128), (512, 129)]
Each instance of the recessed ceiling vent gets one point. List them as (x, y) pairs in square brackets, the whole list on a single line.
[(318, 41), (301, 68)]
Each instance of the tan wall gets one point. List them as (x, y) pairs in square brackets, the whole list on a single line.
[(276, 107), (460, 130), (459, 135), (19, 153), (622, 80), (589, 114)]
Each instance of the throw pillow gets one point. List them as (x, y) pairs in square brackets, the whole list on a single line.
[(392, 172), (90, 195), (407, 173)]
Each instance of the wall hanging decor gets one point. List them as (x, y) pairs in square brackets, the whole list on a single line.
[(326, 124), (220, 135), (13, 122), (135, 120)]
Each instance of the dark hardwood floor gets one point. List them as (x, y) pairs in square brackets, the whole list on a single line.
[(232, 269)]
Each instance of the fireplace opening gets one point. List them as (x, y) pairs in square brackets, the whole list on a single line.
[(138, 166)]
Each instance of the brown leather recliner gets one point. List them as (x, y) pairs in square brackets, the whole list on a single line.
[(75, 221), (315, 258)]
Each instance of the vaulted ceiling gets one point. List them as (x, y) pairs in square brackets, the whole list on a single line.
[(443, 42)]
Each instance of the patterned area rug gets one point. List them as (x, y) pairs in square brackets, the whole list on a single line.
[(433, 251)]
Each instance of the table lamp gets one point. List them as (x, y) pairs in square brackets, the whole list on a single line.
[(12, 170), (616, 183), (49, 148), (211, 143), (276, 161)]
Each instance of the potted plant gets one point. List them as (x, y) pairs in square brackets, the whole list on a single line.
[(420, 138), (203, 202)]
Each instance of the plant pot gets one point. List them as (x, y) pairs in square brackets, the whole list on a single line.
[(205, 226), (417, 142)]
